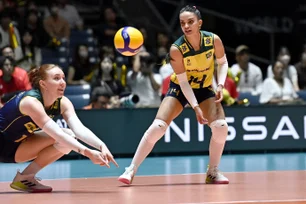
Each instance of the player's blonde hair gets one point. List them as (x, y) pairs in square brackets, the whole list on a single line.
[(39, 73)]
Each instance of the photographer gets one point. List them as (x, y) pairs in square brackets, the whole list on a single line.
[(144, 82)]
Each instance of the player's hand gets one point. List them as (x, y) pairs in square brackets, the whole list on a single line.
[(219, 94), (96, 157), (107, 155), (200, 116)]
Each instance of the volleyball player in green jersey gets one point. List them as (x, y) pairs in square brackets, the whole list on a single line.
[(192, 60), (28, 133)]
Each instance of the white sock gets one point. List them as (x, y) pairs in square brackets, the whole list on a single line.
[(143, 150), (215, 153), (149, 139)]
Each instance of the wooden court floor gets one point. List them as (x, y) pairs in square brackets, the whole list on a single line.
[(271, 187)]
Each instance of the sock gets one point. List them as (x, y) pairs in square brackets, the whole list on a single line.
[(143, 150), (149, 139), (219, 131), (215, 153), (32, 168)]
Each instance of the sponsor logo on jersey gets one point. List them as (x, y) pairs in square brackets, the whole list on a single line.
[(208, 41)]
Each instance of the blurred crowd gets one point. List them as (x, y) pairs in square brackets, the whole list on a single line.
[(28, 32)]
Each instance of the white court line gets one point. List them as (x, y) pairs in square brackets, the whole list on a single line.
[(158, 175), (250, 201)]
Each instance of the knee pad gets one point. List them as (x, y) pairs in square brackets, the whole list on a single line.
[(156, 131), (62, 148), (219, 129)]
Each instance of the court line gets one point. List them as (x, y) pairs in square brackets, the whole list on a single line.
[(187, 174), (250, 201)]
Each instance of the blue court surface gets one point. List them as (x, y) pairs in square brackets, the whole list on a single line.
[(164, 166)]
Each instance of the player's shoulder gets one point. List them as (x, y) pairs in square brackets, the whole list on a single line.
[(207, 33), (34, 93), (178, 42)]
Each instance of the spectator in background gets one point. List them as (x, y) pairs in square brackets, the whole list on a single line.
[(34, 24), (31, 53), (278, 89), (289, 70), (12, 79), (108, 28), (99, 99), (56, 26), (69, 13), (146, 42), (81, 69), (105, 77), (249, 74), (32, 6), (143, 82), (4, 31), (163, 45), (9, 51), (301, 71)]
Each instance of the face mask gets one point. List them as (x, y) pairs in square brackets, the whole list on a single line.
[(285, 59), (106, 68), (83, 54)]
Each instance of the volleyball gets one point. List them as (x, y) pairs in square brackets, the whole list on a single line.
[(128, 41)]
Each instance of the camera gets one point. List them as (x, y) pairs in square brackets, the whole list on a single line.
[(129, 101)]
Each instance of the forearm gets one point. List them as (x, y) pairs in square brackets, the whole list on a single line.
[(222, 70), (83, 133), (154, 84), (54, 131), (187, 90)]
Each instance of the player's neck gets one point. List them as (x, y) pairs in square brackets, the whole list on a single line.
[(48, 100), (195, 41)]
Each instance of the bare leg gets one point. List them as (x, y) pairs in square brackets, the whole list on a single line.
[(40, 148)]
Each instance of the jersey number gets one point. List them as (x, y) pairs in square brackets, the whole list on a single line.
[(31, 127), (196, 80)]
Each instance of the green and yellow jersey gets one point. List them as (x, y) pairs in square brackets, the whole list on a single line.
[(199, 65)]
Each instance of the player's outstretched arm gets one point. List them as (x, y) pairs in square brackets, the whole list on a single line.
[(82, 132), (32, 107)]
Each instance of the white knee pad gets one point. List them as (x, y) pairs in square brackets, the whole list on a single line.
[(156, 131), (62, 148), (219, 129)]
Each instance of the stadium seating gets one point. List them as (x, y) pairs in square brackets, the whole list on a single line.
[(77, 89), (79, 101), (254, 100)]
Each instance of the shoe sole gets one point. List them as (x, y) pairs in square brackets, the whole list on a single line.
[(31, 191), (125, 181), (218, 182)]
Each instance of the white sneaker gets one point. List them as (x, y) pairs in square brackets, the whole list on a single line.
[(128, 175), (214, 176), (29, 183)]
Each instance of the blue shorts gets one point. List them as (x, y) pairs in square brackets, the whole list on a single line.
[(8, 150), (201, 94)]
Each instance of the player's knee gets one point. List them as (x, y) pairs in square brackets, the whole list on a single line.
[(62, 148), (156, 131), (219, 129)]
